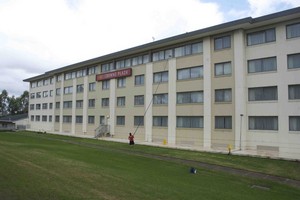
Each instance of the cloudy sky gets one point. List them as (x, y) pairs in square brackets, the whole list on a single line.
[(41, 35)]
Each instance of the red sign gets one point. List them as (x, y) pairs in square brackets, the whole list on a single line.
[(115, 74)]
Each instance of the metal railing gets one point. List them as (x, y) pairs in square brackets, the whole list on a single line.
[(102, 130)]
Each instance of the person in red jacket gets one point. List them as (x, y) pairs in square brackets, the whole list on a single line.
[(131, 139)]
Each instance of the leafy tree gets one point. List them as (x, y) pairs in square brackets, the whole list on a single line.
[(3, 102)]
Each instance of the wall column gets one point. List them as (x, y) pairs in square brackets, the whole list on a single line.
[(172, 101), (148, 102), (207, 93), (239, 90)]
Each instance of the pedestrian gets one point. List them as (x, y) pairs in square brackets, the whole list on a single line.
[(131, 139)]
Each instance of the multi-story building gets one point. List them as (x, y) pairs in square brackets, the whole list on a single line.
[(236, 83)]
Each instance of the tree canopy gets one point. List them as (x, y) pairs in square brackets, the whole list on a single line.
[(13, 105)]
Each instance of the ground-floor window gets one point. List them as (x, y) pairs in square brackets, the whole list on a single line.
[(294, 123), (263, 123), (223, 122), (160, 121)]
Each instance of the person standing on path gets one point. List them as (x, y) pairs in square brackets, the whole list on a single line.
[(131, 139)]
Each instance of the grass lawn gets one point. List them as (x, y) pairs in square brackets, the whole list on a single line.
[(44, 166)]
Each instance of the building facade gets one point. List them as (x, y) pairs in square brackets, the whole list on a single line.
[(236, 84)]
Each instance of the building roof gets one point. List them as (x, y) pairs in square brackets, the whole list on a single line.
[(14, 117), (244, 23)]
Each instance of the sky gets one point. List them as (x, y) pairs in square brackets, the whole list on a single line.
[(41, 35)]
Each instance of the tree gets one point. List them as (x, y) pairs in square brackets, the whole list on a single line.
[(3, 102), (24, 100)]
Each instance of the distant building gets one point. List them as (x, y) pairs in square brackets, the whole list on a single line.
[(236, 83), (6, 125), (20, 121)]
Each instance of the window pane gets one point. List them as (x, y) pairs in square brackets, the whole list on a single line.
[(293, 31), (294, 61), (294, 123)]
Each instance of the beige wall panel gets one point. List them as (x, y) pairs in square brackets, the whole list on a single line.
[(189, 61), (159, 134), (190, 85), (159, 110), (190, 110), (189, 137)]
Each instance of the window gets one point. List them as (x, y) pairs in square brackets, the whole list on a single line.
[(223, 95), (223, 69), (93, 70), (223, 42), (294, 91), (46, 82), (139, 100), (57, 91), (294, 123), (188, 49), (293, 30), (50, 118), (81, 73), (139, 80), (190, 73), (261, 37), (37, 118), (57, 105), (92, 86), (70, 75), (120, 64), (91, 119), (160, 121), (262, 65), (78, 119), (31, 106), (67, 119), (32, 95), (44, 118), (32, 118), (105, 102), (79, 88), (102, 119), (38, 106), (262, 93), (51, 93), (67, 104), (59, 78), (56, 118), (38, 95), (105, 85), (160, 77), (50, 105), (45, 106), (190, 97), (79, 103), (121, 82), (189, 122), (138, 120), (68, 90), (120, 101), (107, 67), (160, 99), (223, 122), (91, 103), (45, 94), (120, 120), (263, 123), (294, 61)]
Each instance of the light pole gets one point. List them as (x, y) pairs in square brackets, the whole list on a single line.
[(241, 123)]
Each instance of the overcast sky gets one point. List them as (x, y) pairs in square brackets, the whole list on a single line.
[(41, 35)]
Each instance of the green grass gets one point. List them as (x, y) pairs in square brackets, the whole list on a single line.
[(44, 166)]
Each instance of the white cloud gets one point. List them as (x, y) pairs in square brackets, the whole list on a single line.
[(43, 35)]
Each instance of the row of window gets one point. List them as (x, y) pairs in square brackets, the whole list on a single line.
[(221, 122), (221, 69), (221, 95)]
